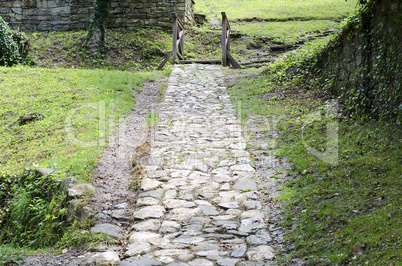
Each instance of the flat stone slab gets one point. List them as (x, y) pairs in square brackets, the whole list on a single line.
[(201, 262), (149, 184), (155, 211), (137, 248), (148, 225), (140, 262), (261, 253), (147, 201), (138, 237), (176, 203), (103, 259), (242, 168), (245, 183), (229, 205), (183, 214), (252, 225), (108, 229)]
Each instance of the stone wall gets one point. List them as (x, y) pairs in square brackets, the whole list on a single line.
[(149, 14), (63, 15), (364, 62)]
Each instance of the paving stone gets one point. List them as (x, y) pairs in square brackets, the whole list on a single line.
[(119, 214), (202, 246), (261, 253), (155, 211), (182, 214), (226, 163), (171, 252), (227, 225), (211, 254), (251, 225), (121, 206), (262, 237), (157, 193), (201, 262), (171, 224), (149, 184), (186, 239), (186, 257), (233, 212), (140, 262), (242, 168), (108, 229), (252, 214), (227, 261), (137, 248), (203, 220), (176, 203), (165, 259), (229, 205), (225, 187), (170, 194), (252, 205), (148, 225), (137, 237), (103, 259), (209, 210), (147, 201), (165, 178), (239, 251), (222, 178), (245, 183)]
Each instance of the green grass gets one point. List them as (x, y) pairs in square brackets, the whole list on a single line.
[(79, 109), (10, 255), (340, 213), (126, 50), (277, 9), (288, 31)]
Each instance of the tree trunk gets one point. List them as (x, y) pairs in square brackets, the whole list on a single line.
[(95, 42)]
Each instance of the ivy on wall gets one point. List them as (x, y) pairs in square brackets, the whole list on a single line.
[(362, 65)]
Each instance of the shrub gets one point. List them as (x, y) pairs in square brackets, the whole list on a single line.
[(14, 45)]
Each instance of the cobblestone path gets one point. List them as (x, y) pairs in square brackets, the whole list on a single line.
[(199, 204)]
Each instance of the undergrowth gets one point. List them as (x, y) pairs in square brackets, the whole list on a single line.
[(33, 211)]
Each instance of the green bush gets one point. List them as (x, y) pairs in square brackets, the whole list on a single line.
[(14, 45)]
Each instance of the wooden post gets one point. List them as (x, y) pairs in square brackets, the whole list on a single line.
[(175, 28), (224, 34)]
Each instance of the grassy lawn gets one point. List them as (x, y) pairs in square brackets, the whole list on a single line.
[(338, 211), (127, 50), (277, 9), (69, 134), (288, 31)]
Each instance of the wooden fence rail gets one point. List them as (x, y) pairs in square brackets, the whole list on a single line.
[(178, 45), (178, 42), (227, 58)]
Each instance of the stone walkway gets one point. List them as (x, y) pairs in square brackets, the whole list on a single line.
[(199, 203)]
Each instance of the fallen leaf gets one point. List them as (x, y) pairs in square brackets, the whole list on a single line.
[(356, 248)]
